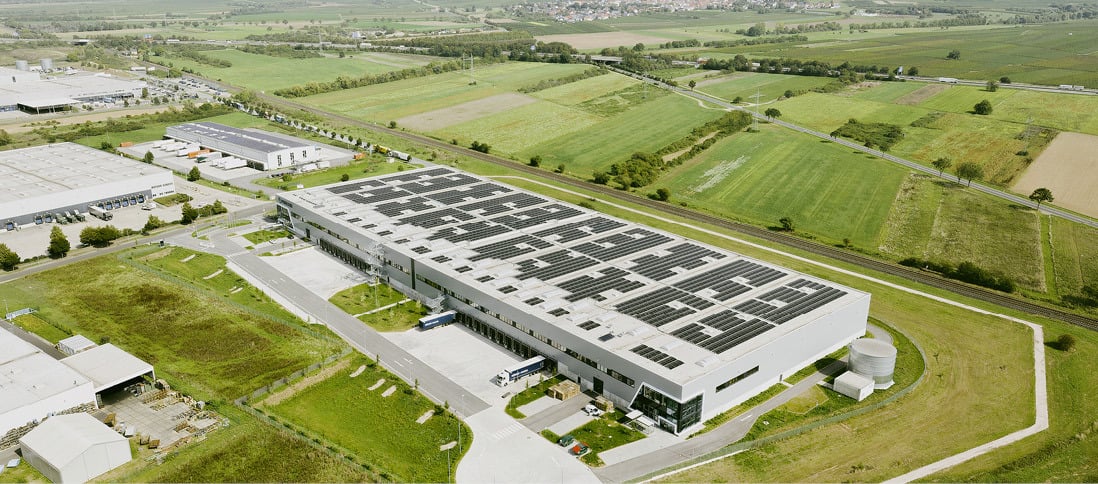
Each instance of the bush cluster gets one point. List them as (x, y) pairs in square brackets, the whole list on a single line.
[(966, 272), (879, 135)]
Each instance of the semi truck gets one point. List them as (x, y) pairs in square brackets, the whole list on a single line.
[(99, 213), (431, 321), (519, 370)]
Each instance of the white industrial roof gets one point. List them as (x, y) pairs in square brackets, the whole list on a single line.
[(83, 86), (665, 302), (62, 438), (258, 140), (27, 375), (56, 168), (76, 343), (107, 365)]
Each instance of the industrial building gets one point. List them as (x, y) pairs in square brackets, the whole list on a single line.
[(672, 328), (39, 183), (263, 150), (108, 366), (32, 93), (34, 385), (74, 448)]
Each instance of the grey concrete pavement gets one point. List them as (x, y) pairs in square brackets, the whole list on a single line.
[(556, 413)]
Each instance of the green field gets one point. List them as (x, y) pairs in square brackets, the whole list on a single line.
[(267, 73), (768, 86), (355, 169), (39, 326), (760, 177), (1073, 253), (365, 298), (219, 350), (377, 429)]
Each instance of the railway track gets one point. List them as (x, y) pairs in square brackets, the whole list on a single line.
[(866, 262)]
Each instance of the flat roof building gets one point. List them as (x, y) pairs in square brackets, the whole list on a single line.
[(659, 323), (34, 385), (109, 366), (262, 150), (32, 93), (74, 448), (40, 181)]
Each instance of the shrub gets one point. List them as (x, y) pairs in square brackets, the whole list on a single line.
[(1065, 342)]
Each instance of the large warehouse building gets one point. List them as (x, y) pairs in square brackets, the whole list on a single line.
[(31, 93), (74, 448), (38, 182), (262, 150), (34, 385), (664, 325)]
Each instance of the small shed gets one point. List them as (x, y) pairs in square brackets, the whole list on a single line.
[(108, 366), (75, 344), (854, 385), (74, 448)]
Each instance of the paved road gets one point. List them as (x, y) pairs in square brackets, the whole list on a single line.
[(542, 420), (358, 335), (1010, 197)]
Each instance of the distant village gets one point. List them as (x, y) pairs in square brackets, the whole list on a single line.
[(585, 11)]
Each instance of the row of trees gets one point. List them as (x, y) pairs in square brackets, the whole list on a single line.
[(348, 82)]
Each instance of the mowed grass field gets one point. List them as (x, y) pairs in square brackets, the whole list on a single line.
[(376, 428), (768, 86), (265, 73), (196, 337), (761, 177)]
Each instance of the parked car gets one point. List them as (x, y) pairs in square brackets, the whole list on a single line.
[(592, 410), (566, 440), (579, 449)]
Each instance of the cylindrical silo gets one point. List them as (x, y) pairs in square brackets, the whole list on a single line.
[(47, 64), (21, 65), (875, 359)]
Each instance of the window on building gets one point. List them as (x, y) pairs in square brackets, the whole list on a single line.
[(737, 378)]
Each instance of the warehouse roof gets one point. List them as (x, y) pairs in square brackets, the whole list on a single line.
[(27, 375), (670, 304), (75, 87), (107, 365), (252, 139), (56, 168), (62, 438)]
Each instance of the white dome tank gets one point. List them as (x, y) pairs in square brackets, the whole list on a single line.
[(47, 64), (875, 359), (21, 65)]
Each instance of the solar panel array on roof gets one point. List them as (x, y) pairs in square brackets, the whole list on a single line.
[(691, 291)]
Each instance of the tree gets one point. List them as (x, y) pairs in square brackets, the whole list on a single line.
[(1065, 342), (345, 177), (970, 171), (913, 71), (392, 124), (772, 113), (992, 86), (194, 175), (99, 236), (737, 100), (639, 47), (982, 107), (1041, 195), (663, 194), (692, 84), (789, 93), (153, 223), (953, 54), (1004, 80), (535, 161), (600, 177), (9, 260), (149, 157), (189, 213), (144, 93), (560, 168), (787, 224), (59, 244), (942, 164)]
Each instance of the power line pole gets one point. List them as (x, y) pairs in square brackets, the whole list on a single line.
[(472, 78), (755, 119)]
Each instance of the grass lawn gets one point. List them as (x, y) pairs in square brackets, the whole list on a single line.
[(366, 297), (377, 429), (529, 395), (937, 220), (515, 129), (761, 177), (264, 235), (604, 433), (769, 86), (1074, 256), (248, 450), (37, 325), (354, 171), (198, 336)]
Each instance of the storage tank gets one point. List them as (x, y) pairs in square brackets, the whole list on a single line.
[(47, 64), (875, 359), (21, 65)]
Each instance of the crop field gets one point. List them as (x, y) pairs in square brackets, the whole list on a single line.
[(518, 128), (190, 328), (1074, 256), (937, 220), (585, 90), (376, 428), (464, 112), (747, 84), (395, 100), (764, 176), (266, 73), (1068, 167)]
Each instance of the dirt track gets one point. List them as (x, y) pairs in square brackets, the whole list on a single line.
[(1068, 167)]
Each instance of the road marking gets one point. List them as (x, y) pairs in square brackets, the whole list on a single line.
[(506, 431)]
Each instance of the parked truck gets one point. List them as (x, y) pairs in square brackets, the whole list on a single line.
[(519, 370), (99, 213), (431, 321)]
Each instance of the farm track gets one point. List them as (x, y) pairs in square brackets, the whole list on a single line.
[(914, 275)]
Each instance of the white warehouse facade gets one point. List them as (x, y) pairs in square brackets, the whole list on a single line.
[(674, 328), (38, 182), (263, 150)]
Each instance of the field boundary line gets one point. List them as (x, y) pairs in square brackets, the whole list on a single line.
[(1041, 420)]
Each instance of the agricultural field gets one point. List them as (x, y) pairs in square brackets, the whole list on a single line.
[(1068, 167), (267, 73), (747, 84), (760, 177), (1074, 259), (377, 422), (218, 349)]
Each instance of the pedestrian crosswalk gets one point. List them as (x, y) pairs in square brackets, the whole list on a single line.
[(506, 431)]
